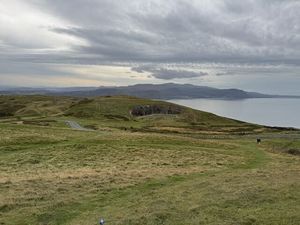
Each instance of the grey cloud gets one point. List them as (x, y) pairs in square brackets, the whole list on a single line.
[(168, 74), (223, 73), (178, 30), (27, 69), (182, 30), (112, 44)]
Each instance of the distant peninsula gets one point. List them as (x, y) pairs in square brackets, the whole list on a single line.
[(152, 91)]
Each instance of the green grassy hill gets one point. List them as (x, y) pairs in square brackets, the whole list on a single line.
[(115, 112), (189, 167)]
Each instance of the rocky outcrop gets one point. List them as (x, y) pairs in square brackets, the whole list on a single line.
[(143, 110)]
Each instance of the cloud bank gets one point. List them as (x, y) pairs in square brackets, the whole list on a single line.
[(168, 74), (170, 30), (136, 32)]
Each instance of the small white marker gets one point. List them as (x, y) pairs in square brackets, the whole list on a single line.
[(101, 222)]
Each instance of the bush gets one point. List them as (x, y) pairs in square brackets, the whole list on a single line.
[(294, 151)]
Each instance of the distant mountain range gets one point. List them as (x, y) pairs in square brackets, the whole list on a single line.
[(153, 91)]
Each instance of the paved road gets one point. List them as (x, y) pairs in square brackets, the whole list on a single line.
[(76, 126)]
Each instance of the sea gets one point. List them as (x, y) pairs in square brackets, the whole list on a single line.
[(281, 112)]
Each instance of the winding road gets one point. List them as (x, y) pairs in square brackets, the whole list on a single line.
[(76, 126)]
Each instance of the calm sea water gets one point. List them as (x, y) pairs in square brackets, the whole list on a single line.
[(266, 111)]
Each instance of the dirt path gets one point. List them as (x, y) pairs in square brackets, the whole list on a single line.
[(76, 126)]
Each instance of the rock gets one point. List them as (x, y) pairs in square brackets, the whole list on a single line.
[(143, 110)]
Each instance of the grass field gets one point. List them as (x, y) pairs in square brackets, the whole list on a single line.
[(157, 169)]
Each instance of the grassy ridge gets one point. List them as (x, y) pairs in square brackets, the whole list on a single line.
[(159, 172), (114, 112), (50, 176)]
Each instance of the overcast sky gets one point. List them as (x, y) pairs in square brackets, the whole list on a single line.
[(249, 44)]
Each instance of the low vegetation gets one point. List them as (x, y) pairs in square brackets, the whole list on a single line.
[(186, 168), (121, 112)]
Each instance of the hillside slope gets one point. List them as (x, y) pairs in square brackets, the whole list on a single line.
[(60, 176), (120, 112), (146, 162)]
